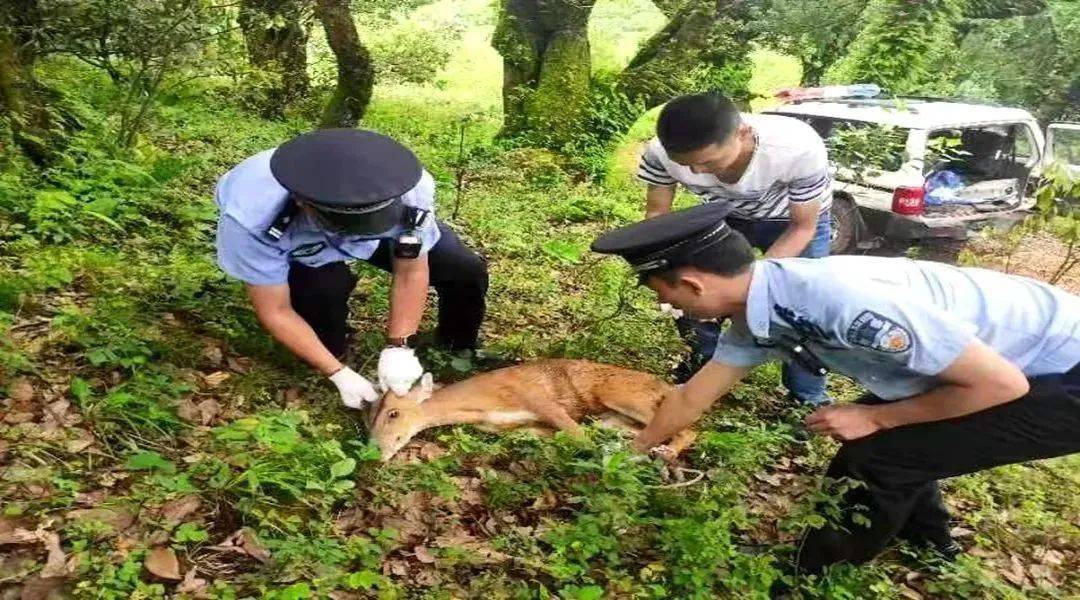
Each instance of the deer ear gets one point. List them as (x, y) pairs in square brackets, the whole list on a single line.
[(427, 384)]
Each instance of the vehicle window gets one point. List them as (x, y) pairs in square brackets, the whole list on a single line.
[(865, 148), (1067, 146), (979, 153), (1025, 145)]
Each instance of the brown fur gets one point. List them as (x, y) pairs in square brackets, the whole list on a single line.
[(546, 394)]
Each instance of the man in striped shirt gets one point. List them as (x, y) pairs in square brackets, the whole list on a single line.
[(773, 174)]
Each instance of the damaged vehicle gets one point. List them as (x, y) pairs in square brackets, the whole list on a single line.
[(915, 168)]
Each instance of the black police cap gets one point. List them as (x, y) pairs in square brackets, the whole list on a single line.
[(345, 168), (663, 241)]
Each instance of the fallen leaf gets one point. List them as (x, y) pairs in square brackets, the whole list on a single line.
[(1041, 572), (21, 391), (907, 592), (424, 555), (177, 510), (208, 409), (961, 532), (40, 588), (191, 583), (398, 568), (1050, 557), (1015, 572), (430, 451), (216, 378), (56, 563), (161, 561), (773, 479), (19, 536), (187, 410), (239, 364), (57, 410), (213, 355), (981, 552), (78, 440), (90, 498), (119, 518), (252, 546), (14, 418)]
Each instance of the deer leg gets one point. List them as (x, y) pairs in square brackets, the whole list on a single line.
[(556, 415), (619, 421), (682, 440)]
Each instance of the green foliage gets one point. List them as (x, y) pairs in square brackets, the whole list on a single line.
[(405, 52), (817, 33), (867, 150), (906, 46), (1027, 60), (280, 455)]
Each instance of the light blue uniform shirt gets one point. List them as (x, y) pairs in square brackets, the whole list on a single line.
[(249, 199), (894, 324)]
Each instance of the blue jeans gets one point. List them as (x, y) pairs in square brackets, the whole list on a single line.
[(702, 335)]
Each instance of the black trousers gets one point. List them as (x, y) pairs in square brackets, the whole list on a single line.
[(459, 275), (901, 466)]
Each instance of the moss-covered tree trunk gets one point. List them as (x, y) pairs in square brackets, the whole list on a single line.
[(22, 99), (705, 45), (546, 67), (276, 38), (356, 75)]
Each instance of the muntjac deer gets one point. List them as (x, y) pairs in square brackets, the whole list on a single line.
[(540, 396)]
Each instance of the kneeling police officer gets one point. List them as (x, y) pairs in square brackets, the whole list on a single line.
[(966, 369), (291, 216)]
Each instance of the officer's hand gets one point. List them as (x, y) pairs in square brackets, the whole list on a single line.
[(398, 370), (844, 423), (354, 389)]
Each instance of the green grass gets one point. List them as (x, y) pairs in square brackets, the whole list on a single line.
[(122, 324)]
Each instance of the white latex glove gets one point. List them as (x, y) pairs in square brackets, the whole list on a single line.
[(668, 309), (354, 389), (398, 369)]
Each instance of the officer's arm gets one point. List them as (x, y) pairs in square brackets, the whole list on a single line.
[(799, 232), (978, 379), (658, 199), (680, 409), (408, 295), (275, 312)]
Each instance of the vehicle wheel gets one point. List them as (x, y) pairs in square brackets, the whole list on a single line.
[(844, 217)]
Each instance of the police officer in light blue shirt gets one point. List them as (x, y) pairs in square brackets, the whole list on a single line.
[(292, 216), (966, 369)]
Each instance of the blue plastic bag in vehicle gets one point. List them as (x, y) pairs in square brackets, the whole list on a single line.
[(943, 187)]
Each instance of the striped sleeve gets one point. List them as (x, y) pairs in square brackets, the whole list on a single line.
[(810, 179), (651, 169)]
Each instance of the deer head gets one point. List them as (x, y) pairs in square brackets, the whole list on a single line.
[(396, 419)]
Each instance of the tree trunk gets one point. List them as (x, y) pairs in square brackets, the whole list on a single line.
[(356, 76), (276, 40), (546, 67), (21, 97), (705, 45)]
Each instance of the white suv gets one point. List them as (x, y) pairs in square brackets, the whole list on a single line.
[(995, 154)]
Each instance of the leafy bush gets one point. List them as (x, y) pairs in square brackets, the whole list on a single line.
[(279, 455), (406, 52)]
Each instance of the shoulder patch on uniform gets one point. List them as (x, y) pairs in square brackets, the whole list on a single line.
[(874, 331), (307, 250)]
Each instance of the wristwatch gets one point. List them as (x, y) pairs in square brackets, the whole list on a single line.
[(398, 342)]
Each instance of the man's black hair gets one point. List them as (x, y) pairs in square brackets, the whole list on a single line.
[(730, 257), (690, 123)]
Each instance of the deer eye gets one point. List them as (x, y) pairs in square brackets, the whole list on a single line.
[(392, 414)]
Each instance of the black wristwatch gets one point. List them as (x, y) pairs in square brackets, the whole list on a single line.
[(398, 342)]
